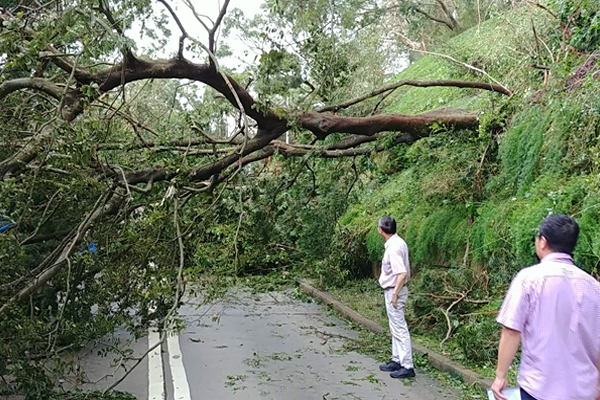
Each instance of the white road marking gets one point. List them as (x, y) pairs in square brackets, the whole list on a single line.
[(180, 382), (156, 380)]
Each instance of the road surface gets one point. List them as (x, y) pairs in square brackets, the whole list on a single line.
[(266, 346)]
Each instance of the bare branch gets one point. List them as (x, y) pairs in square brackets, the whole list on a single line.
[(43, 218), (448, 23), (135, 124), (45, 237), (469, 66), (543, 7), (448, 14), (198, 16), (181, 144), (104, 9), (417, 83), (213, 31), (184, 34), (210, 139)]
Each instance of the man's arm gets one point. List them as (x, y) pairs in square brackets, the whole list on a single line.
[(509, 344), (398, 269), (400, 281)]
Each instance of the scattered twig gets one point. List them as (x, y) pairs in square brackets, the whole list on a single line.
[(43, 219), (566, 33), (478, 15), (66, 89)]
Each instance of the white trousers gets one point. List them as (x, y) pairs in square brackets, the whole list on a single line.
[(401, 346)]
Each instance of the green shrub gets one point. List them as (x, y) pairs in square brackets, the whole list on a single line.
[(584, 19), (478, 338)]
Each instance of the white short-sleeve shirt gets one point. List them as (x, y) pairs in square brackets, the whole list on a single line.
[(395, 261)]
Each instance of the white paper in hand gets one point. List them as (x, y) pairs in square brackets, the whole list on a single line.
[(510, 393)]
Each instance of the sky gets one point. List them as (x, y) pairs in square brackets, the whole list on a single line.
[(210, 8)]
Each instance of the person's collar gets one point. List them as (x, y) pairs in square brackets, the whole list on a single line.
[(387, 242), (558, 257)]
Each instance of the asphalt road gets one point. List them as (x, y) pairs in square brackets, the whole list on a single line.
[(266, 346)]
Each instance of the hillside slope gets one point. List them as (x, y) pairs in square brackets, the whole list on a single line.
[(468, 203)]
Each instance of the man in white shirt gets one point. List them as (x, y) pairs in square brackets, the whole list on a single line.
[(395, 273)]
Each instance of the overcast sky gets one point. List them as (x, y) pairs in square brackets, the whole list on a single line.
[(207, 7)]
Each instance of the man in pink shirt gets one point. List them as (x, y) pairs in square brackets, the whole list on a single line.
[(395, 273), (553, 310)]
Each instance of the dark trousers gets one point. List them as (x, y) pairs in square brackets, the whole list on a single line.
[(526, 396)]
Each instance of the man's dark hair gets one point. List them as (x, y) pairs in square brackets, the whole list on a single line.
[(561, 232), (388, 225)]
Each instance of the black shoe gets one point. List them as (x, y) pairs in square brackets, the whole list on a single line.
[(403, 373), (389, 367)]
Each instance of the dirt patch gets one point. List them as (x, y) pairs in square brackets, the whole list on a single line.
[(578, 77)]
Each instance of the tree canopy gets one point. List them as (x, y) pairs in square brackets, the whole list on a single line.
[(114, 162)]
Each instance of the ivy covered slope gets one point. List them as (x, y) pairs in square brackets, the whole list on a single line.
[(468, 203)]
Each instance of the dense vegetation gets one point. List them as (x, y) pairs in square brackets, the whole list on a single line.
[(125, 176), (480, 196)]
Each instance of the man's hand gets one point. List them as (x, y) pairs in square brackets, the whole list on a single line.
[(498, 386), (509, 344), (400, 281), (395, 300)]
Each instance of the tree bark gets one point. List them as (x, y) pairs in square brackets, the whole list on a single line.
[(322, 125)]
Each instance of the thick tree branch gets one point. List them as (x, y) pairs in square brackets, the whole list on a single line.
[(133, 69), (60, 60), (293, 151), (365, 130), (28, 153), (323, 125), (40, 84)]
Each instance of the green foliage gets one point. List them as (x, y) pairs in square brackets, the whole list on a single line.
[(478, 339), (583, 18), (375, 244), (94, 395), (279, 71), (312, 52), (468, 204)]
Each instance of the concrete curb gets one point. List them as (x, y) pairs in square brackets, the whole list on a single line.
[(437, 360)]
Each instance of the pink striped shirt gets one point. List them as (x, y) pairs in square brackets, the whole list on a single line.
[(556, 307)]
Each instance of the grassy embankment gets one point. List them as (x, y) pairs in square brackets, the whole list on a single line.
[(468, 203)]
